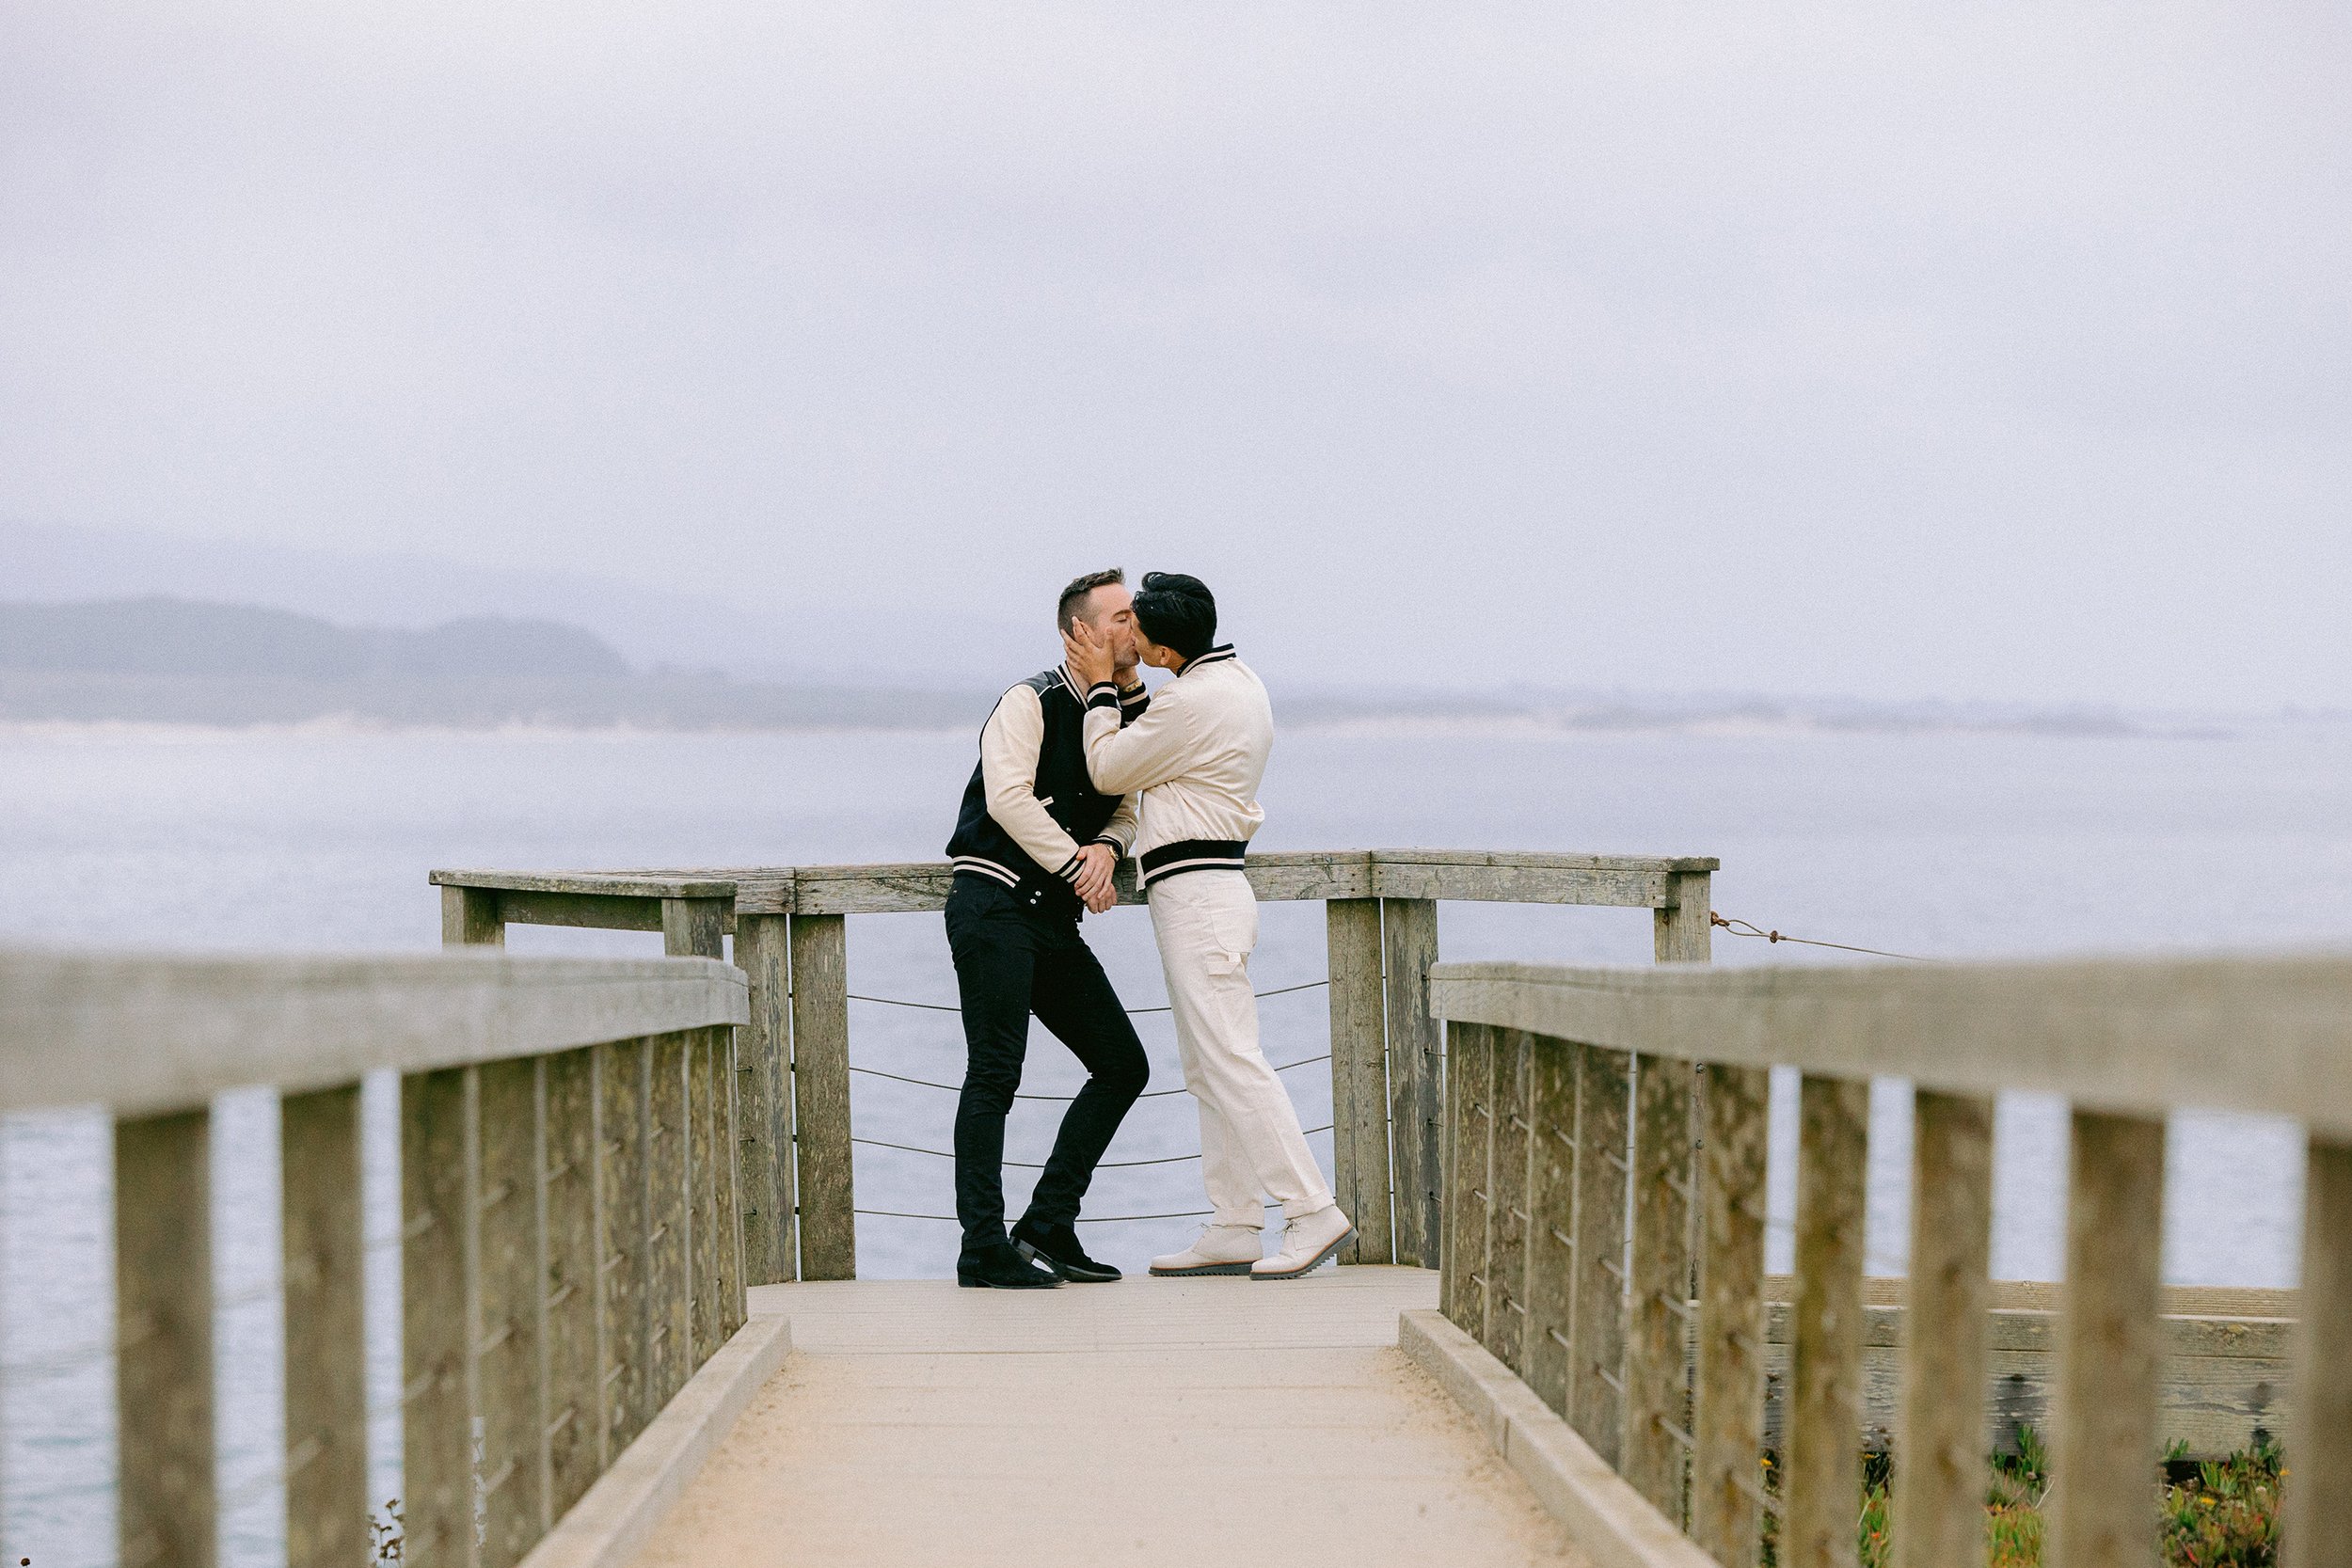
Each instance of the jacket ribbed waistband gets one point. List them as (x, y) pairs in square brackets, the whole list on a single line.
[(1192, 854)]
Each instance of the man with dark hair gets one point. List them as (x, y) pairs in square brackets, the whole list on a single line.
[(1034, 847), (1195, 761)]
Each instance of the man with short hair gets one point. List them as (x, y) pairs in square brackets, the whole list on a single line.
[(1194, 764), (1034, 848)]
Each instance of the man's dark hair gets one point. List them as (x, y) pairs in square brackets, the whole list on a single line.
[(1074, 597), (1177, 612)]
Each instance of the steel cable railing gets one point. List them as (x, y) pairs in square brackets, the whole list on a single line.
[(1057, 1099)]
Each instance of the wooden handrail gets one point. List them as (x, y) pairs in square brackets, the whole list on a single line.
[(2268, 1036), (1475, 874), (793, 1072), (145, 1034), (570, 1227), (1579, 1095)]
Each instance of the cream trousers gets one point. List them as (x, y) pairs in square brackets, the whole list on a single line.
[(1206, 923)]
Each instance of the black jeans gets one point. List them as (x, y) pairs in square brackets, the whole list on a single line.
[(1012, 960)]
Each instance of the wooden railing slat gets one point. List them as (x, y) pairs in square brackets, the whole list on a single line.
[(1550, 1288), (1939, 1472), (569, 1220), (1359, 1077), (763, 1101), (1470, 1095), (508, 1395), (820, 1096), (1604, 1142), (167, 1508), (1728, 1417), (1657, 1370), (2103, 1508), (1409, 930), (702, 1195), (2319, 1447), (1821, 1486), (726, 1134), (1507, 1214), (440, 1175), (669, 1219), (325, 1348), (624, 1083)]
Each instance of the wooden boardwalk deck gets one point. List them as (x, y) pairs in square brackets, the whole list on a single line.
[(1152, 1421)]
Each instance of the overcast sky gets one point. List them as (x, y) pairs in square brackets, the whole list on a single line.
[(1967, 351)]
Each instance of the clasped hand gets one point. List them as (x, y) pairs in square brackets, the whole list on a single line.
[(1096, 864)]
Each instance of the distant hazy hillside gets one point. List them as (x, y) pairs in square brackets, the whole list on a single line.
[(171, 661), (177, 637), (802, 642)]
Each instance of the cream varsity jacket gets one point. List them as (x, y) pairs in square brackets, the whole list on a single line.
[(1194, 757)]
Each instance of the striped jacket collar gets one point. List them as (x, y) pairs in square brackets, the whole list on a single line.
[(1217, 655)]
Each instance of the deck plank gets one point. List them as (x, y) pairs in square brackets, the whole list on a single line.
[(920, 1423)]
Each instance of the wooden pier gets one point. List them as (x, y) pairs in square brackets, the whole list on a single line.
[(632, 1328)]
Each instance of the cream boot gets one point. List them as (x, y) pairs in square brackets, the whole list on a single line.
[(1307, 1242), (1219, 1249)]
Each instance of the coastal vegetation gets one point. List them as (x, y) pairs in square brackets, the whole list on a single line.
[(2210, 1513)]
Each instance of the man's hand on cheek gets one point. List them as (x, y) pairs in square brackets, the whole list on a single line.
[(1089, 655)]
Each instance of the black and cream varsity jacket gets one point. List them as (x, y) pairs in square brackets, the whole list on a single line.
[(1031, 806)]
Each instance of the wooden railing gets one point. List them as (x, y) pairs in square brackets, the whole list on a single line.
[(568, 1254), (794, 1069), (1607, 1146)]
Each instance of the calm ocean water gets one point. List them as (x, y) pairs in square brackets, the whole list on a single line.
[(1941, 845)]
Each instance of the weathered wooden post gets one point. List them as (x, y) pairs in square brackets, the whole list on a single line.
[(624, 1071), (702, 1199), (570, 1354), (1940, 1473), (1657, 1369), (326, 1352), (820, 1096), (695, 928), (1409, 940), (164, 1340), (1728, 1419), (1596, 1371), (2113, 1345), (1462, 1286), (764, 1102), (509, 1292), (1822, 1484), (2320, 1499), (669, 1225), (470, 918), (1359, 1077), (440, 1196), (1551, 1154), (1506, 1203)]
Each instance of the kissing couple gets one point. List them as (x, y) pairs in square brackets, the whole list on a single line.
[(1079, 766)]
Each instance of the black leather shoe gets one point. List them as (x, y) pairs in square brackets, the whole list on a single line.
[(1056, 1247), (1000, 1268)]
